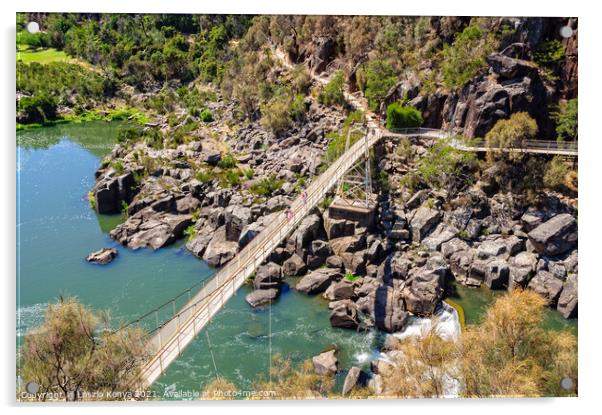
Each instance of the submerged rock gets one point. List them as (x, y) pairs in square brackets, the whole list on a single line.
[(261, 297)]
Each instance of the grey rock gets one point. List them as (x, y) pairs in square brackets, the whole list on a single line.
[(422, 292), (452, 246), (556, 236), (318, 281), (103, 256), (294, 266), (492, 248), (198, 244), (345, 315), (351, 380), (348, 244), (354, 262), (340, 290), (326, 363), (267, 276), (220, 250), (423, 221), (497, 274), (261, 297), (236, 218), (547, 285), (567, 302)]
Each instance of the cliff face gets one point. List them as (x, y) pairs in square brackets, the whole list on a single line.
[(530, 67)]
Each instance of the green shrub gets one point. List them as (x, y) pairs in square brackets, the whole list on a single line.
[(37, 109), (227, 161), (555, 175), (333, 93), (550, 53), (298, 108), (190, 232), (204, 176), (326, 202), (33, 40), (509, 134), (118, 166), (129, 133), (266, 186), (276, 114), (566, 120), (206, 115), (350, 276), (444, 165), (465, 58), (91, 200), (232, 178), (249, 173), (380, 78), (399, 116)]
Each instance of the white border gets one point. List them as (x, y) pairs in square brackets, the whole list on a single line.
[(590, 179)]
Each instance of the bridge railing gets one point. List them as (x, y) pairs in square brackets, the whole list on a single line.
[(479, 143), (171, 337)]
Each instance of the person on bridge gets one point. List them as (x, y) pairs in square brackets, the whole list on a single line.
[(304, 196)]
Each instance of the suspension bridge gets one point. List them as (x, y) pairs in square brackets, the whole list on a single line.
[(204, 299)]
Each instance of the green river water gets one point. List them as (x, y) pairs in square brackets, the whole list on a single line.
[(56, 229)]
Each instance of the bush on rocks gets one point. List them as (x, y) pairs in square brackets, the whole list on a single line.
[(399, 116)]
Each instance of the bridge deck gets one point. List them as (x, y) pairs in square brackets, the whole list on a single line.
[(170, 339)]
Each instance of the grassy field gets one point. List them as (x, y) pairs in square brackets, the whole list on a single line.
[(40, 55)]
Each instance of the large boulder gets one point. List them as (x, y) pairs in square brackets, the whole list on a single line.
[(491, 248), (547, 285), (337, 228), (354, 262), (326, 363), (348, 244), (324, 52), (150, 229), (318, 281), (308, 231), (198, 244), (344, 315), (510, 68), (423, 221), (460, 265), (236, 218), (497, 274), (261, 297), (104, 256), (567, 302), (556, 236), (294, 266), (248, 233), (220, 250), (267, 276), (341, 290), (110, 192), (422, 292), (187, 204)]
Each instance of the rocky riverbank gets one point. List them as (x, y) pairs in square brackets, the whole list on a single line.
[(381, 275)]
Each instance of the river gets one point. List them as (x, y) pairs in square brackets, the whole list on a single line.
[(56, 229)]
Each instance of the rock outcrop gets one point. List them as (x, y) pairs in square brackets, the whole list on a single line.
[(103, 256), (556, 236)]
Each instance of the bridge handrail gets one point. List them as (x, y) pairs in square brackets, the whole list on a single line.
[(257, 250)]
